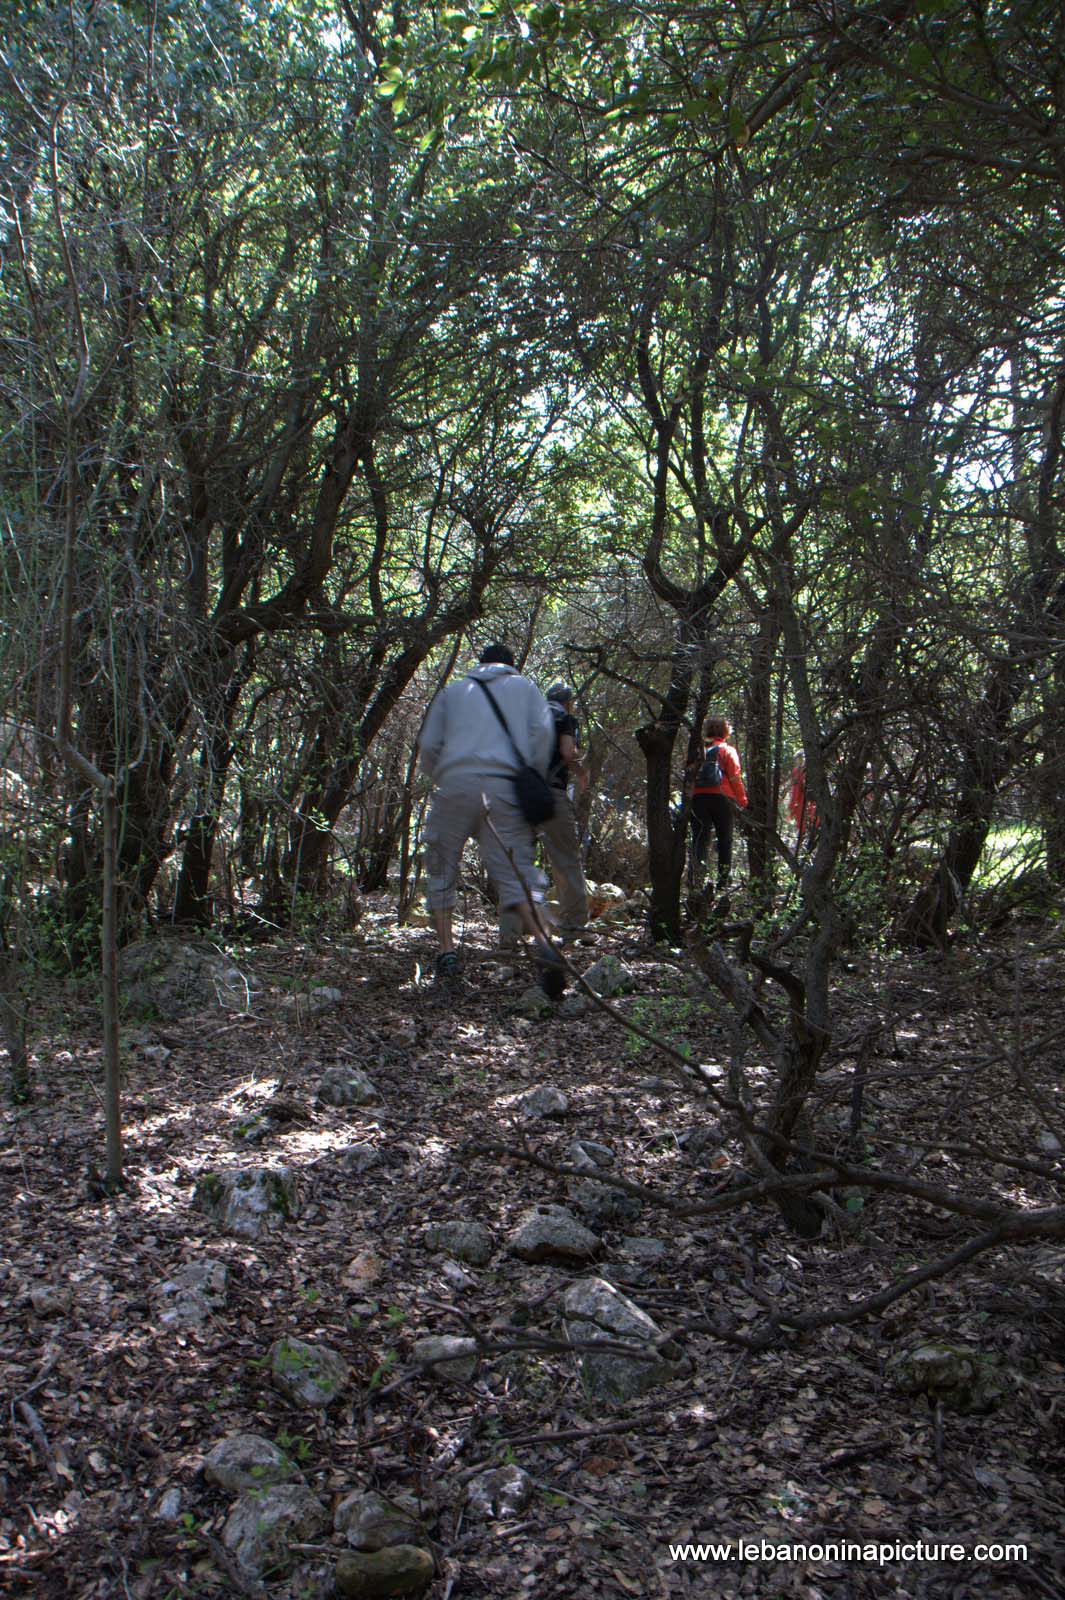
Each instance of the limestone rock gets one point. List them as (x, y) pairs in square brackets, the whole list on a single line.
[(264, 1523), (402, 1569), (457, 1276), (255, 1129), (171, 978), (551, 1233), (250, 1201), (313, 1003), (700, 1142), (312, 1374), (596, 1311), (601, 1204), (247, 1461), (605, 899), (502, 1492), (346, 1086), (533, 1003), (963, 1378), (467, 1241), (587, 1156), (543, 1101), (447, 1355), (168, 1506), (639, 1248), (640, 1260), (190, 1295), (359, 1158), (610, 977), (574, 1005), (370, 1522)]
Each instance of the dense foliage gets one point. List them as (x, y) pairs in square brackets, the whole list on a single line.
[(714, 357)]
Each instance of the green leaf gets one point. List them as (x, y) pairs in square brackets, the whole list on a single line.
[(739, 132), (700, 106)]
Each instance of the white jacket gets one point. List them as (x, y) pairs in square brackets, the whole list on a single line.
[(461, 735)]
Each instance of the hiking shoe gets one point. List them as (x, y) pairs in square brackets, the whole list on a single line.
[(447, 974), (551, 973), (577, 936)]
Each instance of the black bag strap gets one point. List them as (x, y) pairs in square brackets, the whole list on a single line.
[(502, 719)]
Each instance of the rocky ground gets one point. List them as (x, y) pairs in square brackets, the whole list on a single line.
[(435, 1170)]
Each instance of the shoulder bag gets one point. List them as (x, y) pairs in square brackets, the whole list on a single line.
[(535, 797)]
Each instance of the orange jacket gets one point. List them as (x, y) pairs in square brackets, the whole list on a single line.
[(730, 766), (801, 810)]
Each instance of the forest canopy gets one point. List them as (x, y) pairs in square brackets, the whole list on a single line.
[(713, 357)]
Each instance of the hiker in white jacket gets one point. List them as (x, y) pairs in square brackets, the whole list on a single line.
[(471, 762)]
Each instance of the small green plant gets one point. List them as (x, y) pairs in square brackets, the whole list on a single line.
[(669, 1017), (189, 1532), (293, 1445), (383, 1368)]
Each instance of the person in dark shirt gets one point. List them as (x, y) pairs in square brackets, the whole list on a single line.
[(560, 834)]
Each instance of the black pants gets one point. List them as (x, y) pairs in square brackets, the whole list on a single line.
[(712, 811)]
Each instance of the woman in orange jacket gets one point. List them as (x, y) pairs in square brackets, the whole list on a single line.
[(801, 808), (716, 784)]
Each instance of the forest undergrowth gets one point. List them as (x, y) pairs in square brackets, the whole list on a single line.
[(107, 1413)]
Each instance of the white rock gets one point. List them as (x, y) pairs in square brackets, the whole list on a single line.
[(370, 1522), (552, 1233), (503, 1492), (346, 1086), (249, 1201), (265, 1523), (191, 1294), (595, 1311), (543, 1101), (610, 977), (311, 1373), (168, 1506), (447, 1355), (247, 1461), (466, 1240)]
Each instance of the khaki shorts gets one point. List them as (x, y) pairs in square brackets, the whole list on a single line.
[(457, 813)]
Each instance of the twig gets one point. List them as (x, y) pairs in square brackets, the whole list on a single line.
[(589, 1505), (858, 1452), (40, 1439), (571, 1435)]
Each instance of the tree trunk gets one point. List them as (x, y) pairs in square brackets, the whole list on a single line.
[(665, 833), (193, 901), (760, 746), (13, 1028), (1051, 776), (928, 921)]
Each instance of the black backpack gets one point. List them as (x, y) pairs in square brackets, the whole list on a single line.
[(711, 774), (556, 767)]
